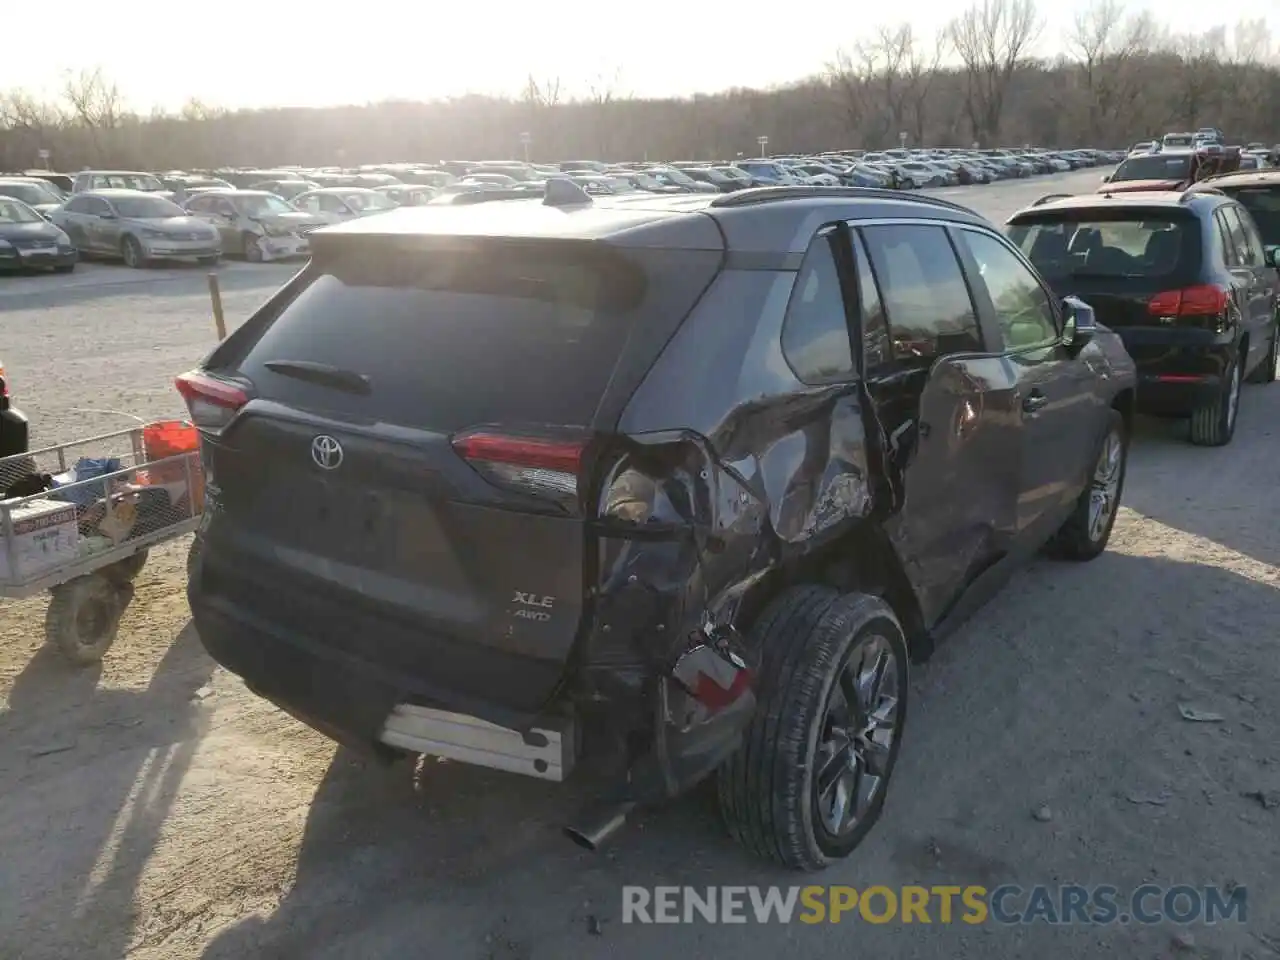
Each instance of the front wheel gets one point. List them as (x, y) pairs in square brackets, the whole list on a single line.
[(1086, 532), (810, 778), (84, 616), (1213, 424)]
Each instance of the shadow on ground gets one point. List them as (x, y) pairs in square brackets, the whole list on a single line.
[(1080, 714), (1234, 486), (90, 776)]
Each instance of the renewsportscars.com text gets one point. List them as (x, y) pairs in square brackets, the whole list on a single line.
[(1007, 904)]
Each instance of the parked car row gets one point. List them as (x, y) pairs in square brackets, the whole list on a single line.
[(139, 217)]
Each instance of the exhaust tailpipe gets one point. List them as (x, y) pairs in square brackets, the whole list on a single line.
[(598, 824)]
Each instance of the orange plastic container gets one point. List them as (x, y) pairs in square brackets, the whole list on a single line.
[(168, 438), (171, 438)]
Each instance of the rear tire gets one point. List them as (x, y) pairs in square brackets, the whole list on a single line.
[(127, 570), (1266, 371), (132, 253), (1085, 533), (252, 248), (1214, 424), (806, 744)]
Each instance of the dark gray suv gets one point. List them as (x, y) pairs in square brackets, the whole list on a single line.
[(657, 487)]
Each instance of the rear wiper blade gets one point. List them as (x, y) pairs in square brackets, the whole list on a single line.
[(324, 374)]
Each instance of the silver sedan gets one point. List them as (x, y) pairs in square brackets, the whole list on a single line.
[(136, 226)]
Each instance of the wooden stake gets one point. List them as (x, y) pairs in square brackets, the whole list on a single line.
[(219, 321)]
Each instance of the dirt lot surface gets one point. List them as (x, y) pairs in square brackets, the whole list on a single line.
[(153, 809)]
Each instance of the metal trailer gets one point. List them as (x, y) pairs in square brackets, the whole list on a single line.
[(87, 540)]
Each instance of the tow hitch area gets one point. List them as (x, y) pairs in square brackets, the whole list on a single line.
[(546, 752)]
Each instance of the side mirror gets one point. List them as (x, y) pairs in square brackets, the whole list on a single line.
[(106, 216), (1271, 253), (1106, 178), (1081, 323)]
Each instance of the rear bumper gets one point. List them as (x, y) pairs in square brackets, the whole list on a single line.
[(1176, 397), (1178, 370), (352, 701)]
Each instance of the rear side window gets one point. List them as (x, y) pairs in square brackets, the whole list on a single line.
[(815, 332), (1120, 244), (925, 298), (1264, 205), (1241, 239), (503, 333)]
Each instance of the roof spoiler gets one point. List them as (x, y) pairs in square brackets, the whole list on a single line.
[(563, 192)]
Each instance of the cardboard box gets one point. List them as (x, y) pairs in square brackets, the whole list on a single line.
[(44, 537)]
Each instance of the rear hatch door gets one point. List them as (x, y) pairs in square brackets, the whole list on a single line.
[(404, 486), (1116, 259)]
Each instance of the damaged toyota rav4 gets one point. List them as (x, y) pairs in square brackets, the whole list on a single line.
[(645, 489)]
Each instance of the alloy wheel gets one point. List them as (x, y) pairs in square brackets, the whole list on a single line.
[(1105, 487), (857, 736)]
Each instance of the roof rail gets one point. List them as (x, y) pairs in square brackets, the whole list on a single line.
[(1051, 196), (754, 195), (1196, 190)]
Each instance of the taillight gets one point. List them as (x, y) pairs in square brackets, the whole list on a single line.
[(538, 466), (1204, 300), (211, 400)]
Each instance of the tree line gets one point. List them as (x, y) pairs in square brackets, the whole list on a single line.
[(1122, 76)]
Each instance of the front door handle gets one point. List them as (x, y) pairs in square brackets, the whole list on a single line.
[(1034, 401)]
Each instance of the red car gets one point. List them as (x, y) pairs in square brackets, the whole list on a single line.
[(1170, 169)]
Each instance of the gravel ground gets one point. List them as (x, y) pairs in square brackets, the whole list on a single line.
[(154, 809)]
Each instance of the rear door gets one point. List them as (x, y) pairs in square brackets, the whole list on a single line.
[(403, 486), (945, 403), (1060, 413), (1257, 283)]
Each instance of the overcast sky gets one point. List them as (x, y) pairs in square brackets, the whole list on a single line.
[(247, 53)]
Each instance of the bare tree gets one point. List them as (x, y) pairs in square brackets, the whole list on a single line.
[(992, 38), (920, 70), (1199, 77), (849, 77), (1106, 42), (604, 89), (96, 105)]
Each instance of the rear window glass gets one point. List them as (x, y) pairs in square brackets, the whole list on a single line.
[(1140, 244), (1158, 166), (1264, 204), (452, 339)]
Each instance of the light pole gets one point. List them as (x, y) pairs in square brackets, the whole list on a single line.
[(764, 142), (525, 140)]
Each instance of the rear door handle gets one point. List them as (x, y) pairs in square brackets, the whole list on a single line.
[(1034, 401)]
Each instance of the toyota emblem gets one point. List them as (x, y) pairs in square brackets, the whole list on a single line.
[(326, 451)]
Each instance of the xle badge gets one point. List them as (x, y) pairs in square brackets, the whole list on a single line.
[(532, 606)]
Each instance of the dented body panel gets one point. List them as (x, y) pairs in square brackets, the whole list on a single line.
[(709, 478)]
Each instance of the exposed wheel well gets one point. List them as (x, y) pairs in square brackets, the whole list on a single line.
[(862, 560)]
